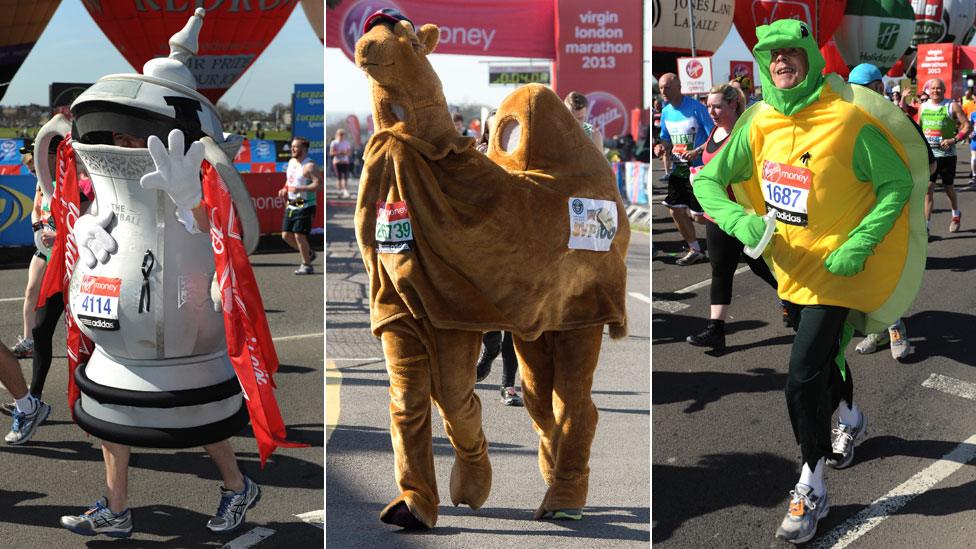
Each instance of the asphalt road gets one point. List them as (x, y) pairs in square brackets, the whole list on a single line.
[(173, 492), (724, 455), (360, 459)]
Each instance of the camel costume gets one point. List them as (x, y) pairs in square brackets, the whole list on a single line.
[(455, 244)]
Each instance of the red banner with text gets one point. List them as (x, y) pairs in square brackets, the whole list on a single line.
[(269, 206), (516, 28), (598, 53)]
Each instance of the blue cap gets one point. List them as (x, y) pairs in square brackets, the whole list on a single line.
[(864, 74)]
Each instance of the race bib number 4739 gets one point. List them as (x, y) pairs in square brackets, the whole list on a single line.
[(592, 224), (96, 304), (787, 189), (393, 230)]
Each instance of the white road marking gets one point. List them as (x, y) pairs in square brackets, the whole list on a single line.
[(10, 299), (250, 539), (669, 306), (294, 337), (315, 518), (675, 306), (333, 394), (951, 385), (640, 296), (858, 525)]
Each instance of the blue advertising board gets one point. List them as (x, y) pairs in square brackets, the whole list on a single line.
[(16, 203), (308, 118)]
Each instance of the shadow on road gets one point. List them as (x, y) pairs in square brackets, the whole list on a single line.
[(942, 333), (703, 388), (719, 481)]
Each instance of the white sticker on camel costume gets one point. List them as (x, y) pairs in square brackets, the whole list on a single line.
[(592, 224), (393, 230)]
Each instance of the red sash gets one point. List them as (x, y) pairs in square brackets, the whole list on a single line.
[(65, 209), (249, 344)]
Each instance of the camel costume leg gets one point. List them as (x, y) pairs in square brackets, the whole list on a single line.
[(425, 363), (557, 376)]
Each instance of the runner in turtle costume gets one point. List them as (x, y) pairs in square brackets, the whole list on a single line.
[(847, 174)]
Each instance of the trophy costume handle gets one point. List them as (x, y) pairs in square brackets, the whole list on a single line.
[(59, 126), (238, 193)]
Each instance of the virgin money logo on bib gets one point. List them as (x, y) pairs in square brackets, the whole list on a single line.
[(787, 189)]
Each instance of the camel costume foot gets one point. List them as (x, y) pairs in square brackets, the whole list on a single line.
[(409, 511), (470, 482)]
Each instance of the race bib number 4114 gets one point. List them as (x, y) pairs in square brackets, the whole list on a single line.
[(96, 304), (787, 189), (394, 234), (592, 224)]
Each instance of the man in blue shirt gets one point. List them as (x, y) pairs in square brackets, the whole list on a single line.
[(685, 126)]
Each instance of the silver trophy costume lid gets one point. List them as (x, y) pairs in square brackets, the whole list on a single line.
[(164, 97)]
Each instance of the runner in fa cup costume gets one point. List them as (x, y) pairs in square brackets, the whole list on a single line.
[(166, 323)]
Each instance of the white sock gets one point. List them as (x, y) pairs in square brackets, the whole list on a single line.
[(956, 213), (848, 414), (26, 405), (695, 246), (814, 479)]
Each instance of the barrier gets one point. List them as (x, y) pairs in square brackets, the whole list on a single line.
[(633, 180)]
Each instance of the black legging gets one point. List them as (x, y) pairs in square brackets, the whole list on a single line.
[(724, 252), (45, 323), (815, 385), (491, 341)]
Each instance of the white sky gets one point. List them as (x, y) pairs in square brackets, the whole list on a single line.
[(73, 49)]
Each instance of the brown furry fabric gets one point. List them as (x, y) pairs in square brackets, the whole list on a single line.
[(456, 243), (490, 247)]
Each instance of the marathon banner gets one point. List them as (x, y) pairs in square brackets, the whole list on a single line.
[(308, 118), (938, 61), (742, 69), (506, 28), (16, 203), (599, 48)]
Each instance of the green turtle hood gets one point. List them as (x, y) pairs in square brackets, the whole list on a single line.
[(789, 33)]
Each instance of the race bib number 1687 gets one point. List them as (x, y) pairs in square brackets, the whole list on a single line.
[(787, 189)]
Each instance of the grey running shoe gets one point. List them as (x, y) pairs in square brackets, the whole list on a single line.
[(806, 510), (100, 520), (26, 424), (900, 347), (510, 397), (870, 344), (233, 507), (305, 270), (845, 436), (24, 348), (692, 257), (954, 223)]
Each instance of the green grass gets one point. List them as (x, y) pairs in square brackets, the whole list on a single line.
[(11, 133)]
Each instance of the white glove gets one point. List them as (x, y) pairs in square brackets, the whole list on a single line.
[(176, 173), (94, 243)]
